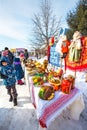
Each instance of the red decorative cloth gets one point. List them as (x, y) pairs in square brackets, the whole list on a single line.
[(82, 65), (55, 106)]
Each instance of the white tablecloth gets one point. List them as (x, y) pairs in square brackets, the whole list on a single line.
[(47, 111)]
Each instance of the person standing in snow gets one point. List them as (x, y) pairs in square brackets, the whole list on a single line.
[(19, 70), (10, 55), (26, 55), (9, 80)]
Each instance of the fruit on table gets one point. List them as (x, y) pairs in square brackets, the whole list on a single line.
[(37, 80), (41, 93)]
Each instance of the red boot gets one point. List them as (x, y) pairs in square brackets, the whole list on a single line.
[(20, 82)]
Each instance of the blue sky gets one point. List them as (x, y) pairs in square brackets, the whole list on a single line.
[(16, 15)]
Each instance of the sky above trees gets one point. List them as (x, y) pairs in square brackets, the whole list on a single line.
[(16, 15)]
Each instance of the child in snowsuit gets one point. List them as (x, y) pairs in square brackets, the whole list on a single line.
[(10, 80), (19, 71)]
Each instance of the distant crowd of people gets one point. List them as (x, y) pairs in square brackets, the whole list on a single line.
[(11, 71)]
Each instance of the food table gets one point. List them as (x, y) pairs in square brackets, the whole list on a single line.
[(47, 111)]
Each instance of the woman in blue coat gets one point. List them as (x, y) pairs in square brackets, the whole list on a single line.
[(19, 70)]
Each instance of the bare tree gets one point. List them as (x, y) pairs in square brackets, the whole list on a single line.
[(45, 24)]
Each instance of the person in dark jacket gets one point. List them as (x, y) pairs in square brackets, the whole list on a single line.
[(10, 55), (9, 80), (19, 70), (26, 55)]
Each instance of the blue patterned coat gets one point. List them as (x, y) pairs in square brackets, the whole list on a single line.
[(10, 72)]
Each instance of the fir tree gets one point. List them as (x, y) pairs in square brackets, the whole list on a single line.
[(77, 19)]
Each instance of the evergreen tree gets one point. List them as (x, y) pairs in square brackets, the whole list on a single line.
[(77, 19)]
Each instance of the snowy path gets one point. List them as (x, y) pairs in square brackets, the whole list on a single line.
[(23, 116)]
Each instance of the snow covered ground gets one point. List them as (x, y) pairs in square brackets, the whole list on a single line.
[(23, 116)]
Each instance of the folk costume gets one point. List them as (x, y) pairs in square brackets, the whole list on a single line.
[(75, 48), (77, 56)]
